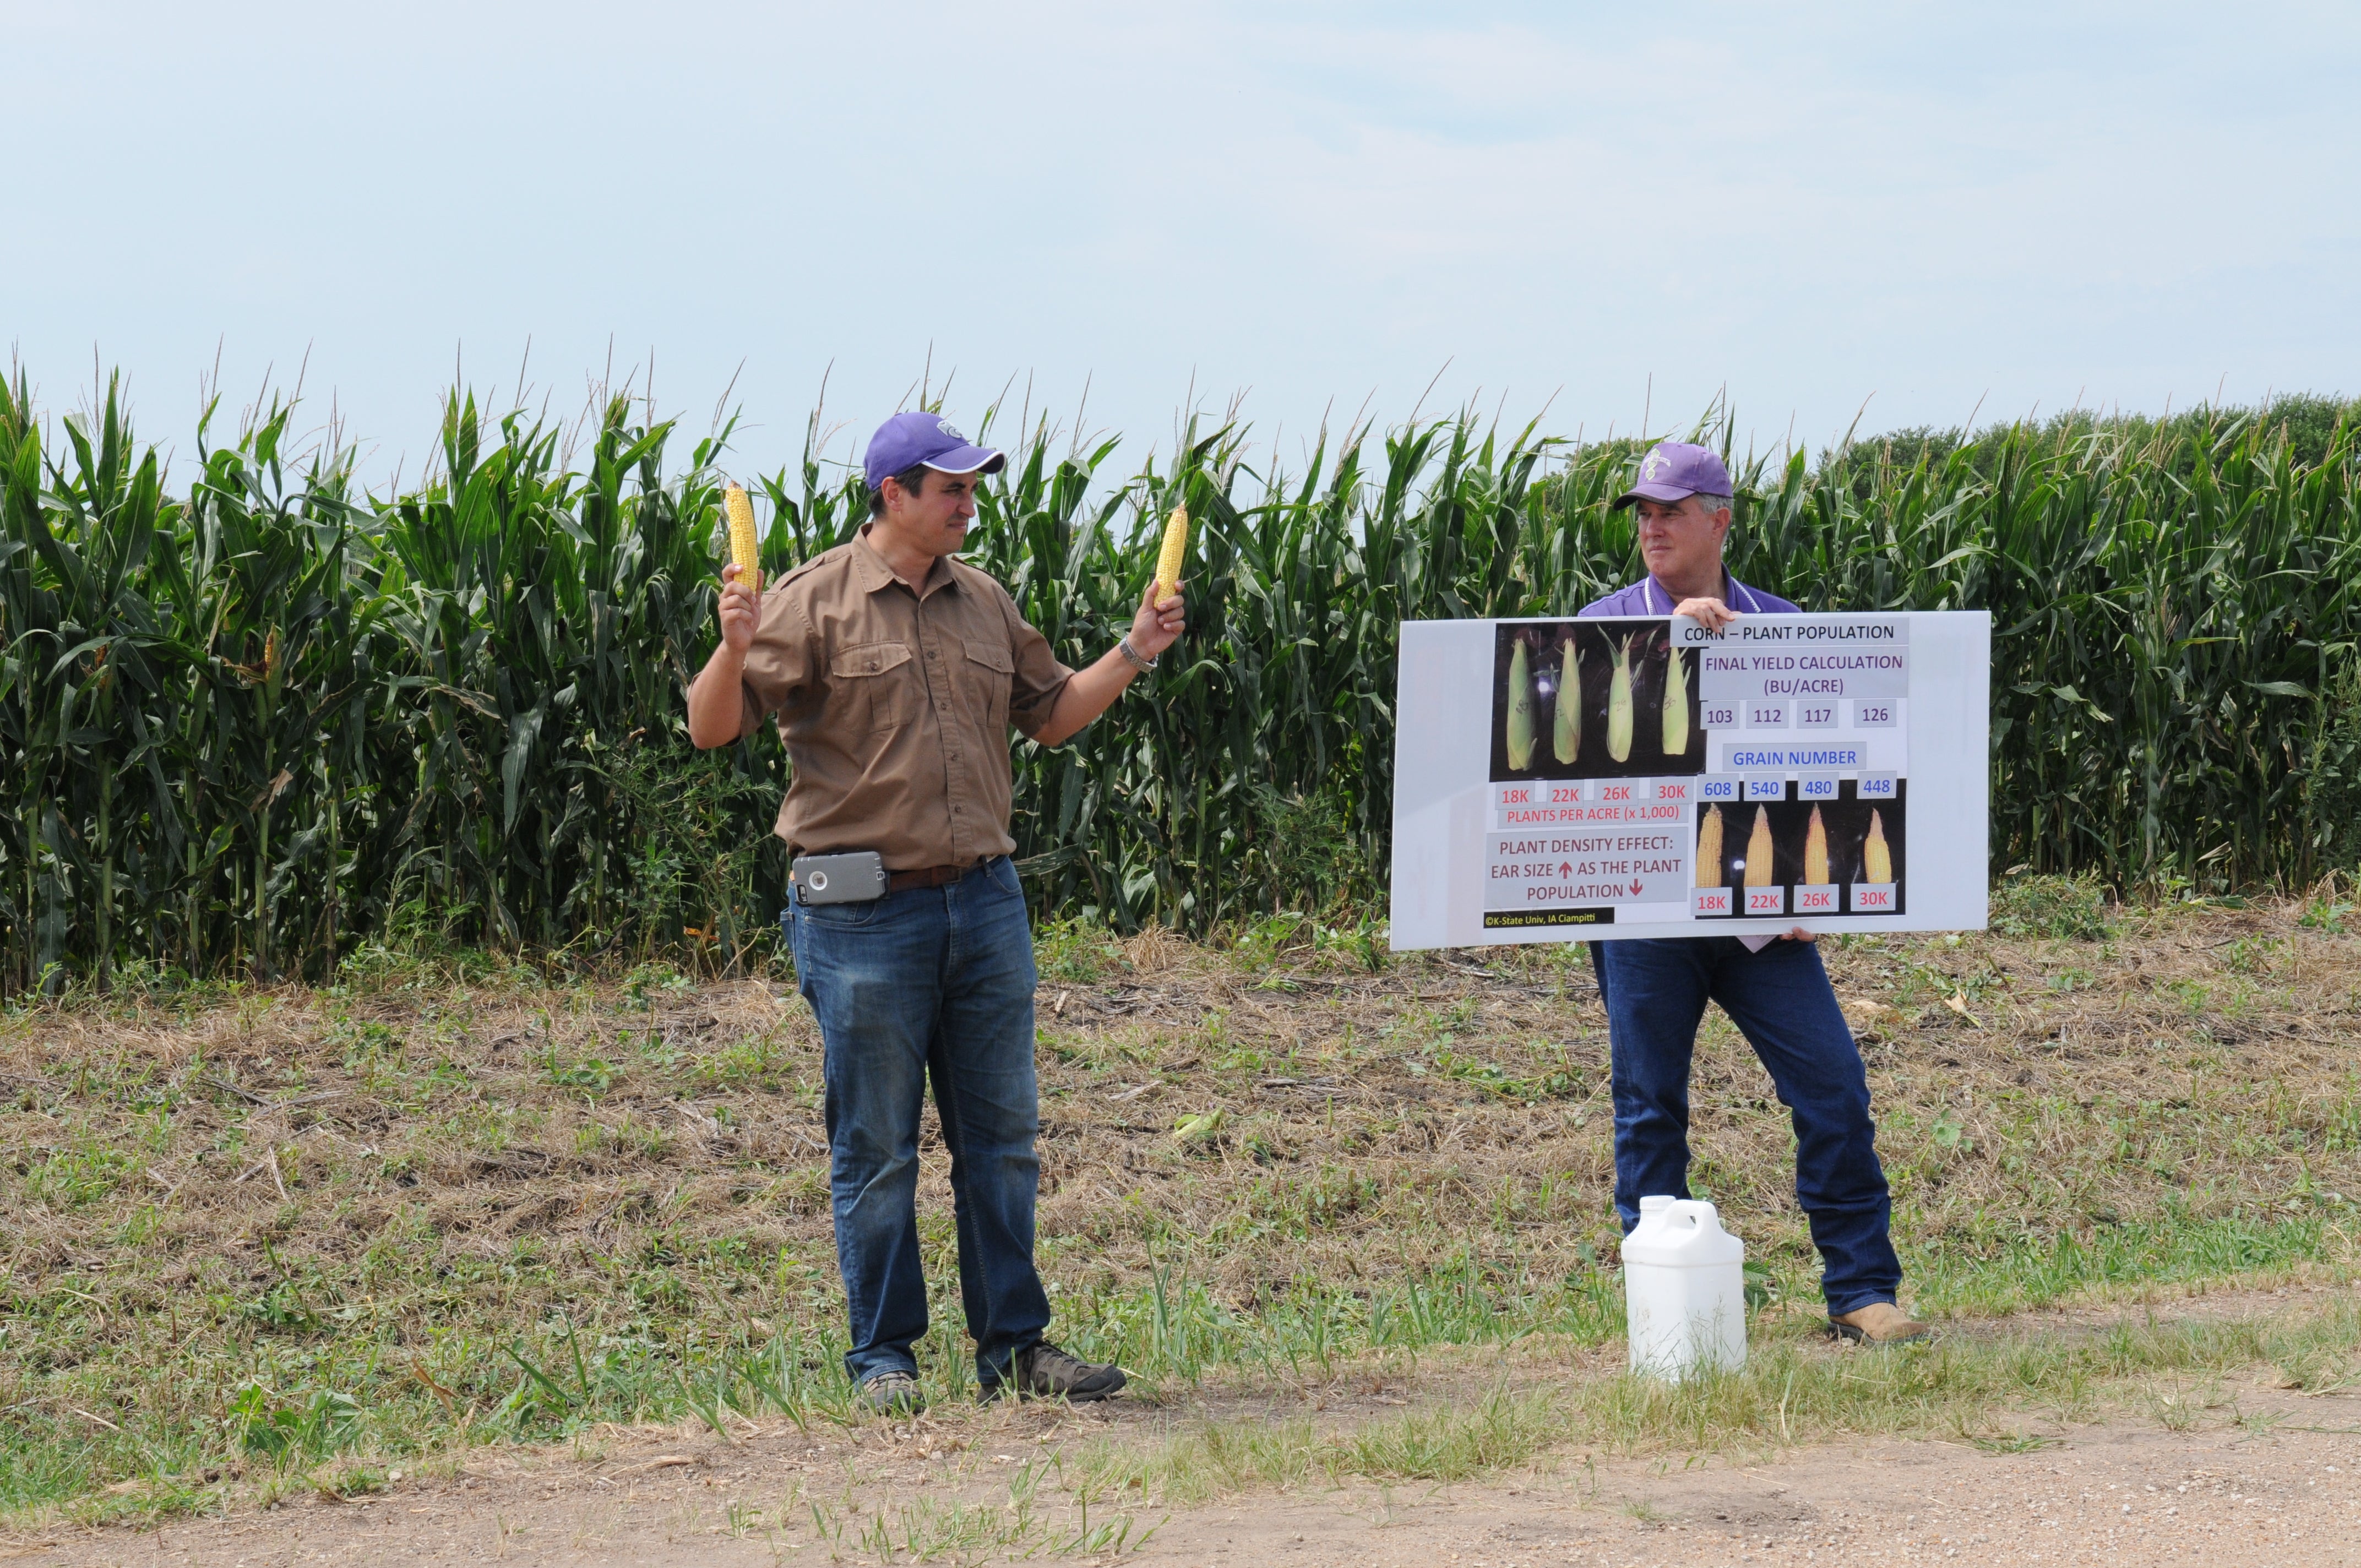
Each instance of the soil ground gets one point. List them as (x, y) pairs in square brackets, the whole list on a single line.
[(2112, 1495), (2261, 1475)]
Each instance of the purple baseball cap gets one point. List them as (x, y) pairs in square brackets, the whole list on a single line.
[(907, 440), (1675, 470)]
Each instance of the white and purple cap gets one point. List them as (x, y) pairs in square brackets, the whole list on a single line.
[(906, 441), (1675, 470)]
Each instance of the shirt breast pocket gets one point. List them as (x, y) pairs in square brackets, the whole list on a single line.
[(874, 685), (991, 670)]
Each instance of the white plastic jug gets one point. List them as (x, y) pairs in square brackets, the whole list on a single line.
[(1684, 1289)]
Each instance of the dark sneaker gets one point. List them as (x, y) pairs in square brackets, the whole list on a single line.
[(893, 1394), (1044, 1372)]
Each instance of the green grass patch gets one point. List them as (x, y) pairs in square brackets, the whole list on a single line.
[(280, 1238)]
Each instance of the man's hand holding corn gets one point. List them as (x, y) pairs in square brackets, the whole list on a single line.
[(1160, 618)]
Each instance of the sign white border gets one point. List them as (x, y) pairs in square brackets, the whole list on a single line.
[(1443, 744)]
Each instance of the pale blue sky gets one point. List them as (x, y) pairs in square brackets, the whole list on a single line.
[(1924, 206)]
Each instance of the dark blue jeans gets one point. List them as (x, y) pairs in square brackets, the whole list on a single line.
[(1655, 993), (929, 983)]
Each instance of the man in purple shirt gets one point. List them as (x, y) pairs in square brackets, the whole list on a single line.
[(1774, 989)]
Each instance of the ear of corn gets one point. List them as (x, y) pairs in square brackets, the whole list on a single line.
[(1758, 852), (1676, 706), (1618, 704), (1565, 732), (745, 545), (1176, 547), (1521, 709), (1876, 860), (1708, 848), (1816, 852)]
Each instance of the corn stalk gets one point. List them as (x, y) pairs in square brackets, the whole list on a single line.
[(250, 727)]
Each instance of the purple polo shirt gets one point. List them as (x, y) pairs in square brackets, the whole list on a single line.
[(1647, 596)]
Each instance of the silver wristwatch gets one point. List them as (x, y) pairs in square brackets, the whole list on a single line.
[(1131, 656)]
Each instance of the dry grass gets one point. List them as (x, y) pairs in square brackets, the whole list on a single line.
[(248, 1227)]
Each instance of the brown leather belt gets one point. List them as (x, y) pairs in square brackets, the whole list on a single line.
[(932, 876)]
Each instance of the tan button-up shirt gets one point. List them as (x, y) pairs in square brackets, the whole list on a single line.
[(896, 706)]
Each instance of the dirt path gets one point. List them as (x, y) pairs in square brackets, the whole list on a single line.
[(2273, 1477), (2120, 1495), (2264, 1475)]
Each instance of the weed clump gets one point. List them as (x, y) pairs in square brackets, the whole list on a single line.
[(2062, 908)]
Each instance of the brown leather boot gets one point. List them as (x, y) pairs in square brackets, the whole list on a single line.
[(1042, 1371), (1880, 1322)]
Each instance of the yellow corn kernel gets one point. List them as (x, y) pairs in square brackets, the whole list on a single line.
[(1520, 710), (1708, 848), (1876, 860), (745, 545), (1758, 852), (1176, 545), (1565, 731), (1676, 706), (1816, 852), (1618, 704)]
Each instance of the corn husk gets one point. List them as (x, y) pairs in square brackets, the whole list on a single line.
[(1676, 706), (1521, 709), (1618, 704), (1565, 730)]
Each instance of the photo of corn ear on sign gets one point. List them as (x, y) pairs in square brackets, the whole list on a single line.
[(1801, 858), (1601, 699)]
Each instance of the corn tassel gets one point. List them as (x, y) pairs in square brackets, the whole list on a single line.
[(1815, 852), (1619, 705), (1676, 706), (1758, 852), (1565, 732), (1520, 710), (1176, 547), (745, 545), (1876, 860), (1708, 848)]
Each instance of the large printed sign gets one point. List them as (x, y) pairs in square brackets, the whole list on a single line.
[(1590, 779)]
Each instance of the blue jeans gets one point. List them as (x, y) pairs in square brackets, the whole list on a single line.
[(1655, 992), (929, 983)]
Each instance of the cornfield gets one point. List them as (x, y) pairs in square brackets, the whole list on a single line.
[(251, 727)]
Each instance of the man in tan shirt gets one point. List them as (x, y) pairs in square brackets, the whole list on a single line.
[(895, 671)]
